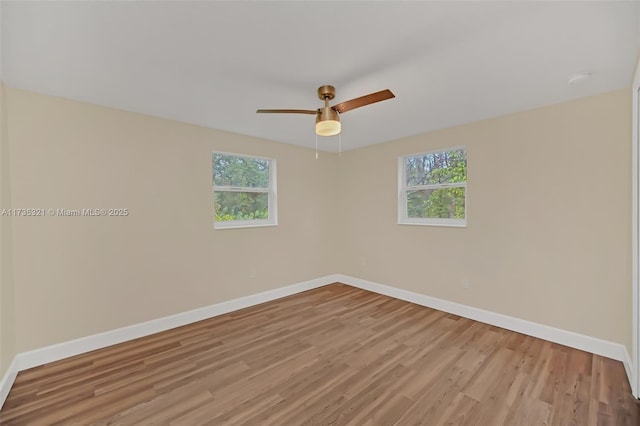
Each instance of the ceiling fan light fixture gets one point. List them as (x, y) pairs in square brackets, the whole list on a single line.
[(328, 128), (328, 122)]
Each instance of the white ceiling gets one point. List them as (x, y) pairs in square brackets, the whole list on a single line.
[(215, 63)]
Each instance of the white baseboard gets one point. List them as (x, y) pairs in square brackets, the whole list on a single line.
[(7, 380), (97, 341), (52, 353), (564, 337), (628, 368), (41, 356)]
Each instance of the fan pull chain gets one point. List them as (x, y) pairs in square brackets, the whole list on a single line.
[(340, 144), (316, 146)]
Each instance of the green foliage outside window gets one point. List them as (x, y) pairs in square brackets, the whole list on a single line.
[(448, 167), (241, 186), (241, 206)]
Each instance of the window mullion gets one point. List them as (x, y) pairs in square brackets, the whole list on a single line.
[(435, 186), (239, 189)]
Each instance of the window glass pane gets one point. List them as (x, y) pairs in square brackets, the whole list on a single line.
[(247, 172), (437, 167), (446, 203), (240, 205)]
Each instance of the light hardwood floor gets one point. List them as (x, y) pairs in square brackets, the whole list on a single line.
[(334, 355)]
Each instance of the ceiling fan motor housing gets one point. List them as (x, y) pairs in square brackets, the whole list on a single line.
[(327, 113)]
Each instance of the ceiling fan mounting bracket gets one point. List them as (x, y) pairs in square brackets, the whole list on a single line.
[(326, 92)]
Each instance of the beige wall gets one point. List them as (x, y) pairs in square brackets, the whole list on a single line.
[(7, 305), (549, 218), (548, 236), (76, 276)]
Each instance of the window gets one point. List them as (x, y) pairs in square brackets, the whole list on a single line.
[(432, 188), (244, 191)]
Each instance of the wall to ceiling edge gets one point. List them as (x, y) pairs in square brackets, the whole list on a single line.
[(549, 218), (548, 211)]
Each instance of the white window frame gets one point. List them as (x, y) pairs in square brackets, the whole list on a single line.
[(403, 188), (272, 205)]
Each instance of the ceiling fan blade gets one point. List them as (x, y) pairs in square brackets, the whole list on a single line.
[(287, 111), (371, 98)]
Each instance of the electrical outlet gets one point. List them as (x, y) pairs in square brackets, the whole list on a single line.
[(464, 283)]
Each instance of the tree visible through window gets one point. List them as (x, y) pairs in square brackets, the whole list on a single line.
[(243, 191), (432, 188)]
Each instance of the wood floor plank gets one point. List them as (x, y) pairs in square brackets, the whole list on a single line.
[(334, 355)]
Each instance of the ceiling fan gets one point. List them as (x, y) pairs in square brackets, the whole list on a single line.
[(328, 117)]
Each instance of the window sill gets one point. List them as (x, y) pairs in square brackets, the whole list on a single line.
[(218, 227), (461, 224)]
